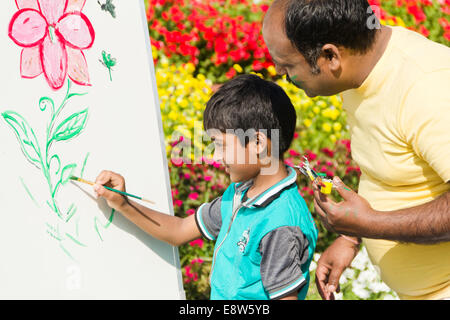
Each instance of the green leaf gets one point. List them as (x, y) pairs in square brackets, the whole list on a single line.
[(71, 127), (25, 135), (67, 172)]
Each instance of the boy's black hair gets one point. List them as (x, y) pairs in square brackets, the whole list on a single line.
[(249, 102), (310, 24)]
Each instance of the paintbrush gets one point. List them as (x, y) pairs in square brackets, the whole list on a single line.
[(113, 190)]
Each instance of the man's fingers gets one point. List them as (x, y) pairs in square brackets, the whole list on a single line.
[(333, 279), (319, 210), (321, 281), (322, 200)]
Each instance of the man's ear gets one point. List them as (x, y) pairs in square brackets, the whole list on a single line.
[(331, 57)]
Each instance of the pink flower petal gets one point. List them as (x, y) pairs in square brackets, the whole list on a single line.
[(77, 67), (52, 10), (30, 62), (27, 28), (75, 5), (54, 62), (27, 4), (77, 30)]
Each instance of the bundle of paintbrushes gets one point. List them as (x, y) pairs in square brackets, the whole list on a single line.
[(320, 178)]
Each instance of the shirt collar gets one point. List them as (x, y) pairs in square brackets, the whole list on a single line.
[(266, 197)]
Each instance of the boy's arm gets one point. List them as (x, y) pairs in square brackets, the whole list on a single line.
[(171, 229), (291, 297), (283, 252)]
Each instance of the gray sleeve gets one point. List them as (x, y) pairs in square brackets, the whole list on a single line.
[(209, 218), (283, 251)]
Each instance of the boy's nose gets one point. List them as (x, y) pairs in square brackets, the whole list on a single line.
[(217, 157)]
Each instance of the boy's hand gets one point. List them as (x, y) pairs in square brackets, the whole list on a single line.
[(112, 180)]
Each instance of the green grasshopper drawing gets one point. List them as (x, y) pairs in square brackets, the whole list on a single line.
[(108, 7)]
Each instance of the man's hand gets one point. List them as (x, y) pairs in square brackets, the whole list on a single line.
[(115, 181), (351, 216), (333, 261)]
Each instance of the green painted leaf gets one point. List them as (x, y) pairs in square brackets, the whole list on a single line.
[(67, 172), (71, 127), (25, 135)]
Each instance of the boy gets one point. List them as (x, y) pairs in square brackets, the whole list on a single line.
[(265, 235)]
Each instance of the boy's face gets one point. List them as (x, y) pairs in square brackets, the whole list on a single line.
[(241, 163)]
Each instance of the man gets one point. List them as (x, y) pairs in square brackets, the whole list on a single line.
[(395, 87)]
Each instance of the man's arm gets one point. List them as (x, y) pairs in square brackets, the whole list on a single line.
[(428, 223), (424, 224)]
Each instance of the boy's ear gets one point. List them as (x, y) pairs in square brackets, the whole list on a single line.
[(261, 144)]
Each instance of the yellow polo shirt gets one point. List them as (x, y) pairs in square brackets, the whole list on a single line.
[(399, 122)]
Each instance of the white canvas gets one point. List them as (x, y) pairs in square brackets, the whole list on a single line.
[(57, 241)]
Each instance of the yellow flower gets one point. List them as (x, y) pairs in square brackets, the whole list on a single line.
[(184, 103), (335, 101), (337, 126), (257, 74), (400, 22), (238, 68), (307, 122), (173, 115), (190, 67), (334, 113), (326, 127), (316, 110), (272, 71), (307, 103)]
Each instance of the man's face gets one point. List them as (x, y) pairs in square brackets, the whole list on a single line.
[(290, 62)]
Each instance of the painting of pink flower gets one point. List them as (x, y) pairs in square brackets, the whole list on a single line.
[(53, 35)]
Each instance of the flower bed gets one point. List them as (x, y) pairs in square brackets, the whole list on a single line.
[(199, 43)]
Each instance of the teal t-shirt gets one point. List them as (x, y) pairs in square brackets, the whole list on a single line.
[(264, 245)]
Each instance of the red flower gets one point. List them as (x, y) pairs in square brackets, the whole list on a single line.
[(444, 23), (193, 196), (311, 155), (198, 242), (257, 65), (417, 12), (231, 73), (447, 35), (423, 30), (328, 152)]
